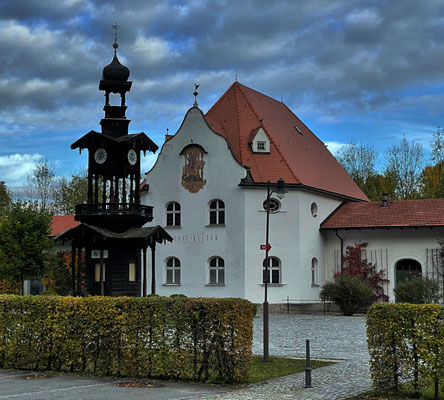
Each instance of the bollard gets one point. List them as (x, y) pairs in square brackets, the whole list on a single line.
[(307, 365)]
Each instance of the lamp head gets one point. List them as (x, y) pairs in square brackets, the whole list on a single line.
[(280, 189)]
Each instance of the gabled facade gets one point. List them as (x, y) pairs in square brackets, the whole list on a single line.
[(210, 179)]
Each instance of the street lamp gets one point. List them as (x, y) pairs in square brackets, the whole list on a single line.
[(280, 191)]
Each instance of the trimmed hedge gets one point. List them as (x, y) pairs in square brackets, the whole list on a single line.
[(406, 343), (175, 338)]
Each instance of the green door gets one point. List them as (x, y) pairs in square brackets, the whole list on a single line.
[(407, 269)]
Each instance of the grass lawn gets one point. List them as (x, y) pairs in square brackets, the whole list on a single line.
[(278, 366)]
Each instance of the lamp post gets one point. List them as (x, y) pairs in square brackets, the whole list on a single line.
[(280, 191)]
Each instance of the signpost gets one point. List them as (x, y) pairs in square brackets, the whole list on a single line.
[(266, 247)]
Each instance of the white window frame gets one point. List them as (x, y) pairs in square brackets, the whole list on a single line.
[(175, 213), (275, 265), (132, 271), (261, 145), (218, 211), (217, 271), (173, 264)]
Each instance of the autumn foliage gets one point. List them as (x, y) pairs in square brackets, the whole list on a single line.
[(196, 339), (356, 265)]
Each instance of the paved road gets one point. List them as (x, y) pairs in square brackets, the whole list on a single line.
[(333, 337)]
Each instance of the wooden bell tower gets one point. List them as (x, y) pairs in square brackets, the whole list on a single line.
[(109, 246)]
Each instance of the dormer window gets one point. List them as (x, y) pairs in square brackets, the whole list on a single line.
[(259, 141)]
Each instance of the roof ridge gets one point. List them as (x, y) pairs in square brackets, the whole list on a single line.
[(237, 121), (268, 133)]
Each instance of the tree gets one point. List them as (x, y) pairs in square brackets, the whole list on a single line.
[(25, 243), (359, 160), (5, 197), (431, 181), (435, 174), (378, 184), (42, 183), (405, 163), (70, 193)]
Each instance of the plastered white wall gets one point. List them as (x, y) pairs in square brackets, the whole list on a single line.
[(195, 242), (386, 248)]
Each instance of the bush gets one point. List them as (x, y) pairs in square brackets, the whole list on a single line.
[(191, 339), (418, 290), (347, 292), (406, 343)]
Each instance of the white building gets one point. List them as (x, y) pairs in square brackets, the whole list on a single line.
[(208, 189)]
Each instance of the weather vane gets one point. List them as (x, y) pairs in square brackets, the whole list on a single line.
[(196, 86), (116, 28)]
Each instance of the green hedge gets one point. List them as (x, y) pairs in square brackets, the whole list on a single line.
[(176, 338), (406, 343)]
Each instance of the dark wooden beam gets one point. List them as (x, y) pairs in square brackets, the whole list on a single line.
[(144, 284), (153, 267)]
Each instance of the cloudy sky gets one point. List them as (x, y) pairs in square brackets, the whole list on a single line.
[(368, 71)]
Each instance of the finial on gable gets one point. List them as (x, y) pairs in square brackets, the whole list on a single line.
[(195, 94)]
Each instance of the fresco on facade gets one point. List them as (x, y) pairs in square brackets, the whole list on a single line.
[(192, 171)]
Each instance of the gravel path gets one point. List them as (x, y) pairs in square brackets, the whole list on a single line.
[(331, 337)]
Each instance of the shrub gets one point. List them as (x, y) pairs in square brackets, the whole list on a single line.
[(347, 292), (418, 290), (178, 338), (406, 343), (357, 266)]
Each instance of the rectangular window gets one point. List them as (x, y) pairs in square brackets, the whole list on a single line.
[(97, 273), (132, 272), (261, 146)]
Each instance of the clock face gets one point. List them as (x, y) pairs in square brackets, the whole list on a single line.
[(132, 157), (100, 156)]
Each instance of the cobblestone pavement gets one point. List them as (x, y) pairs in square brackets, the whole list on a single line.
[(331, 337)]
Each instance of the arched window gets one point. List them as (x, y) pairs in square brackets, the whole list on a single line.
[(314, 271), (274, 270), (172, 271), (217, 212), (407, 269), (217, 271), (173, 214)]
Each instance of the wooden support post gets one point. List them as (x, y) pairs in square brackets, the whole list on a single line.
[(90, 189), (96, 188), (104, 192), (73, 268), (153, 267), (102, 282), (144, 284)]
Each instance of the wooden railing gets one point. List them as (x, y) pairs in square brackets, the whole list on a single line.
[(114, 208)]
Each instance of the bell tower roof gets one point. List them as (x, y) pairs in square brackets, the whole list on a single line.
[(115, 80)]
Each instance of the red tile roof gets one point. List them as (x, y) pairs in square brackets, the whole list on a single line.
[(61, 223), (398, 214), (297, 157)]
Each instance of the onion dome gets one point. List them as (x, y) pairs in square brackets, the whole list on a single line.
[(115, 71)]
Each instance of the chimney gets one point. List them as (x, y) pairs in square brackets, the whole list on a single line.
[(384, 200)]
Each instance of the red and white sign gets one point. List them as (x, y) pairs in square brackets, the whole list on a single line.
[(266, 246)]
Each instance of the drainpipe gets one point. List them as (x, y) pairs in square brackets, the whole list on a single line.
[(342, 250)]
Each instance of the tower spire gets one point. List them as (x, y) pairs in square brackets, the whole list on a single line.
[(115, 44)]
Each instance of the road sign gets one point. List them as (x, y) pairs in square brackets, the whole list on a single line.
[(266, 246)]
